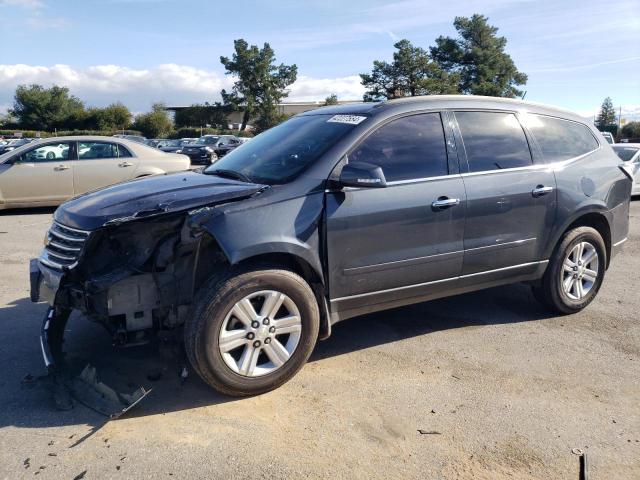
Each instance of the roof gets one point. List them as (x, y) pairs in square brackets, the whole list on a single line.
[(445, 101)]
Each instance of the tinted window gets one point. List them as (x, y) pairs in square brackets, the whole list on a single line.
[(493, 141), (407, 148), (625, 153), (93, 150), (47, 153), (281, 153), (560, 139), (123, 152)]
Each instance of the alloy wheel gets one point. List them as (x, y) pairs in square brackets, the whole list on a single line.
[(260, 333), (580, 271)]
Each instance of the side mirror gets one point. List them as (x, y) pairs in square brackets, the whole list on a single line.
[(360, 174)]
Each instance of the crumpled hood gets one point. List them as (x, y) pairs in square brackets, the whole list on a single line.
[(150, 196)]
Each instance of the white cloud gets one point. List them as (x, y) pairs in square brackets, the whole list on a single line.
[(307, 89), (630, 113), (170, 83), (28, 4), (39, 22)]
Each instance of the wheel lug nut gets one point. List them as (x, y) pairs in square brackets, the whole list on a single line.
[(265, 321), (267, 341), (251, 335), (272, 330), (256, 344), (255, 324), (575, 275)]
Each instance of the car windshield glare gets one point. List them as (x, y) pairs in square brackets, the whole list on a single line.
[(283, 152)]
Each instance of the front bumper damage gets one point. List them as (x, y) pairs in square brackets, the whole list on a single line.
[(85, 388), (135, 276)]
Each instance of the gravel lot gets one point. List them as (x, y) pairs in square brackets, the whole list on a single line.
[(508, 388)]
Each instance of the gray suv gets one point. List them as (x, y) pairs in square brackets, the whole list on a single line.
[(338, 212)]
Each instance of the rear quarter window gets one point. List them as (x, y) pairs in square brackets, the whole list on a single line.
[(493, 141), (560, 139)]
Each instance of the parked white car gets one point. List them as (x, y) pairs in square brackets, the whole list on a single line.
[(630, 154), (48, 172)]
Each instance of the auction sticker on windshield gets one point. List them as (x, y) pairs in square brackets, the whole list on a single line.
[(350, 119)]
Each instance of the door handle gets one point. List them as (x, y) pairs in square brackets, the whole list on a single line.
[(541, 190), (125, 164), (61, 167), (445, 202)]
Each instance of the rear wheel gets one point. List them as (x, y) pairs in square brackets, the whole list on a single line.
[(575, 272), (252, 330)]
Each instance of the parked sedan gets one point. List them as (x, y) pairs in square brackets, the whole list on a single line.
[(208, 148), (48, 172), (630, 154), (172, 146), (13, 144)]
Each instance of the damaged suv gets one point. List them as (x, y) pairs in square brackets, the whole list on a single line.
[(338, 212)]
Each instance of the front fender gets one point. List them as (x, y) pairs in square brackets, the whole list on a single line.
[(286, 227)]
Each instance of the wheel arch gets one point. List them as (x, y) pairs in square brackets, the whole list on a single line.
[(213, 255), (594, 218)]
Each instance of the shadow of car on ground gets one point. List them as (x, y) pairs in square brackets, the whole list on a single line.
[(28, 401)]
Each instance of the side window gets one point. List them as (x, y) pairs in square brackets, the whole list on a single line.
[(95, 150), (407, 148), (560, 139), (493, 141), (47, 153), (123, 152)]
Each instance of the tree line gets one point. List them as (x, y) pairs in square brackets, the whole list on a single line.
[(472, 62)]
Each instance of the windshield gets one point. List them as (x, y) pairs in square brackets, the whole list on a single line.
[(172, 143), (207, 140), (626, 153), (283, 152)]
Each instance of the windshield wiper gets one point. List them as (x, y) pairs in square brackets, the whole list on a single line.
[(220, 172)]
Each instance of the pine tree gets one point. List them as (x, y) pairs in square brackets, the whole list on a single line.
[(607, 115)]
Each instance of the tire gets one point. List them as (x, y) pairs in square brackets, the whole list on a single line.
[(213, 312), (553, 291), (50, 155)]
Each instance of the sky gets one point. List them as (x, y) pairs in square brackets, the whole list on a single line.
[(139, 52)]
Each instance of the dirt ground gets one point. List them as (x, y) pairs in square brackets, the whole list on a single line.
[(504, 389)]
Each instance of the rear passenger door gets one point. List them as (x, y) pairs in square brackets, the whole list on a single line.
[(511, 195), (101, 164), (385, 244)]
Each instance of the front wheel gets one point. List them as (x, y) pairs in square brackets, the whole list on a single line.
[(575, 272), (251, 330)]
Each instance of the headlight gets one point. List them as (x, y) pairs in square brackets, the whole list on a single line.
[(178, 151), (208, 149), (10, 148)]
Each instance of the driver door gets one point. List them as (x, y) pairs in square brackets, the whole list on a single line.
[(404, 240), (41, 176)]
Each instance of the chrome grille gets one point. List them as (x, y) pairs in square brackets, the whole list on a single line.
[(63, 247)]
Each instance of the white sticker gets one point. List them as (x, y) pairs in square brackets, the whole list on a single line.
[(350, 119)]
